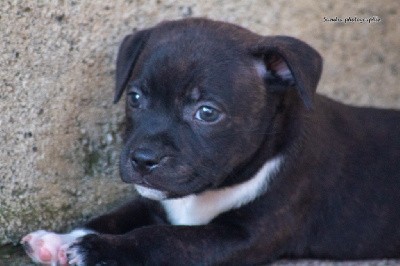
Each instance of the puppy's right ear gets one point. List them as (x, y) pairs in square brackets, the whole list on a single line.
[(128, 53)]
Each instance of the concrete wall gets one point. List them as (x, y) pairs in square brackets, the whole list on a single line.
[(60, 132)]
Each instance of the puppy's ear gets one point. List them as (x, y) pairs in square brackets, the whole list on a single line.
[(288, 62), (128, 53)]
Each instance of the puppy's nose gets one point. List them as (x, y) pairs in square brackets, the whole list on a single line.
[(144, 160)]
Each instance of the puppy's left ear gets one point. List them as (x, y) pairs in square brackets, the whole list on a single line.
[(128, 53), (288, 62)]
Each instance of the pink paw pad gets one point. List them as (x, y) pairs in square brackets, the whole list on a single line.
[(42, 246), (50, 248)]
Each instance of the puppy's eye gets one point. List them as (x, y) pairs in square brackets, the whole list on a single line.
[(207, 114), (135, 98)]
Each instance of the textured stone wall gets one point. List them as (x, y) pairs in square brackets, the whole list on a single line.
[(60, 132)]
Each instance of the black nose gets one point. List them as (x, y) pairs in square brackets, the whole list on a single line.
[(144, 160)]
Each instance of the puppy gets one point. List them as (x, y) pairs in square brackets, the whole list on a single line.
[(237, 160)]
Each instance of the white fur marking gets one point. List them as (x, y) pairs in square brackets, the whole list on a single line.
[(150, 193), (72, 252), (75, 234), (76, 258), (202, 208)]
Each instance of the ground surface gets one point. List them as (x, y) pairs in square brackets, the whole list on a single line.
[(16, 257)]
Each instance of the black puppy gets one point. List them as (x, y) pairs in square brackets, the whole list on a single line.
[(238, 161)]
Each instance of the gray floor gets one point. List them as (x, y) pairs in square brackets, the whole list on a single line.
[(12, 256)]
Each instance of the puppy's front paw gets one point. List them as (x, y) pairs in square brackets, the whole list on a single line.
[(91, 250), (46, 247)]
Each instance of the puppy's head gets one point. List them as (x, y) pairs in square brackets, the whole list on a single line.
[(202, 101)]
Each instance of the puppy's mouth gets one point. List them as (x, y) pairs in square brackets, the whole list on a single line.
[(159, 194), (165, 181)]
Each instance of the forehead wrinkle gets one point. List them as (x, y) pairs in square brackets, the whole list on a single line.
[(167, 72), (169, 86), (176, 67)]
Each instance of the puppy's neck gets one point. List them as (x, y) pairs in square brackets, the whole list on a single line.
[(202, 208)]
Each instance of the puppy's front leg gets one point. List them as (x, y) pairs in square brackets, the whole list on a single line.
[(137, 213), (164, 245), (49, 248)]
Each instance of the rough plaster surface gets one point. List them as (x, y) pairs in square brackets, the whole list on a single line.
[(60, 132)]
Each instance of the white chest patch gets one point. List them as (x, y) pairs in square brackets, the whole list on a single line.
[(202, 208)]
